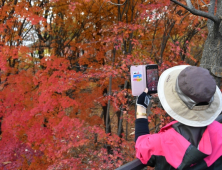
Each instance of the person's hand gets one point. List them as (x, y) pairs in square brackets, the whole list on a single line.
[(146, 90), (142, 103), (143, 99)]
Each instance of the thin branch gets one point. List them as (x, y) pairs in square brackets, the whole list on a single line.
[(211, 7), (204, 3), (184, 18), (116, 4), (194, 11)]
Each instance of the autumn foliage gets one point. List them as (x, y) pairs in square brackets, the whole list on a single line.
[(65, 98)]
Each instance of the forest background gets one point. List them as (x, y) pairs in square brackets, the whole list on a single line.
[(65, 96)]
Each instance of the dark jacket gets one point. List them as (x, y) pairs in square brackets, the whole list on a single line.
[(178, 146)]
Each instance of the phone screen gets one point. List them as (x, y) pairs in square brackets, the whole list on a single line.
[(152, 78)]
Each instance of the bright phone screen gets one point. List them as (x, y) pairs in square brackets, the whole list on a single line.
[(152, 79)]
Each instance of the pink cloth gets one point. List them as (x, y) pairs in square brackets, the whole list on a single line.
[(172, 145), (211, 143)]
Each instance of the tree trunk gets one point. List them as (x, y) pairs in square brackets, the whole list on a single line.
[(107, 129), (212, 53), (120, 116), (1, 125), (109, 94)]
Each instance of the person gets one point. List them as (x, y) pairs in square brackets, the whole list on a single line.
[(194, 139)]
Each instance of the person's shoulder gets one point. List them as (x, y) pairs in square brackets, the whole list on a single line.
[(167, 127), (215, 124), (215, 127)]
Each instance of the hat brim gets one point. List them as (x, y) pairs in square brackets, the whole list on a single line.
[(177, 109)]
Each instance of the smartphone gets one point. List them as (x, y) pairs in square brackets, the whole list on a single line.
[(152, 78)]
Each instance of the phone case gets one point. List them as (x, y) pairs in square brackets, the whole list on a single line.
[(138, 79)]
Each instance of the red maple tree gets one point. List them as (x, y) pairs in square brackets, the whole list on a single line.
[(65, 93)]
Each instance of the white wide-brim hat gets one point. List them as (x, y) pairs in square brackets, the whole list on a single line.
[(177, 109)]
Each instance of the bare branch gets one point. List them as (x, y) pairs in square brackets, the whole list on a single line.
[(194, 11), (210, 23), (211, 7), (204, 3), (178, 3), (116, 4)]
